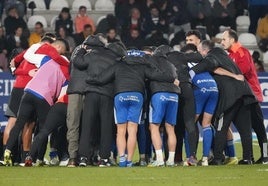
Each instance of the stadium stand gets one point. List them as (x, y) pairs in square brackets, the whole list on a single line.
[(104, 5), (77, 3), (242, 24), (248, 40), (40, 5), (58, 4), (35, 18)]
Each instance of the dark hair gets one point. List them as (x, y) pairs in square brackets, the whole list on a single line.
[(232, 34), (189, 47), (65, 43), (207, 44), (194, 32), (14, 53), (82, 7), (65, 10), (39, 23), (255, 55), (87, 26), (48, 37), (65, 30)]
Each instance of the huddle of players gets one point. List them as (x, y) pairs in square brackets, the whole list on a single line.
[(111, 78)]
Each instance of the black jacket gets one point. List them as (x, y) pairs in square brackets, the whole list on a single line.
[(130, 74), (99, 59), (77, 84), (161, 63), (230, 89), (180, 61)]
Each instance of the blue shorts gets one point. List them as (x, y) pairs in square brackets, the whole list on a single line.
[(164, 106), (128, 107), (205, 101)]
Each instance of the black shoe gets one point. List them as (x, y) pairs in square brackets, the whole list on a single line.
[(72, 162), (83, 162), (215, 162), (262, 160), (104, 163), (245, 162)]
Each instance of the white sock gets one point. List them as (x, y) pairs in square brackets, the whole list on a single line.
[(264, 147), (171, 156), (159, 155)]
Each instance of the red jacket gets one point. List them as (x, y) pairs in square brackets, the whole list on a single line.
[(22, 71), (23, 66), (244, 61)]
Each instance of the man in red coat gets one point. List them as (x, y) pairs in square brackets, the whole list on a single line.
[(244, 61)]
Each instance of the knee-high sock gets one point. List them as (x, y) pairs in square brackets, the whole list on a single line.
[(207, 140)]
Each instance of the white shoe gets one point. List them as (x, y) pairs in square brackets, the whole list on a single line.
[(185, 162), (157, 164), (170, 164), (64, 163), (204, 161)]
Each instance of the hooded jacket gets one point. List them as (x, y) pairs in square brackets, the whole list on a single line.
[(77, 84), (130, 74), (99, 58), (161, 63)]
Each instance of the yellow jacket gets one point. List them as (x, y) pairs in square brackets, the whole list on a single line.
[(34, 38), (262, 28)]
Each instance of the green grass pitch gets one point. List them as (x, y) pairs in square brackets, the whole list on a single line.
[(240, 175)]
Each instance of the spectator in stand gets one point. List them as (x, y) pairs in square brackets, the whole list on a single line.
[(80, 37), (47, 3), (110, 21), (12, 21), (257, 62), (224, 14), (17, 40), (179, 15), (134, 21), (64, 19), (134, 39), (122, 9), (64, 34), (241, 7), (3, 51), (20, 5), (256, 9), (155, 22), (2, 3), (37, 34), (262, 32), (163, 8), (82, 19), (145, 7), (112, 35), (201, 14)]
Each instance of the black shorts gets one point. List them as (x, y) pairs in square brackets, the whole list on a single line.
[(14, 102)]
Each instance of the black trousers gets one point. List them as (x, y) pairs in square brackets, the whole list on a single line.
[(259, 128), (97, 115), (239, 114), (29, 105), (186, 120), (55, 119)]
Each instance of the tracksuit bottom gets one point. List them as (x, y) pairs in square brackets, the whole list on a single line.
[(97, 125), (240, 115)]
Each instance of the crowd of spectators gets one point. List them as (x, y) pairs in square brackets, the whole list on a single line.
[(136, 22)]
